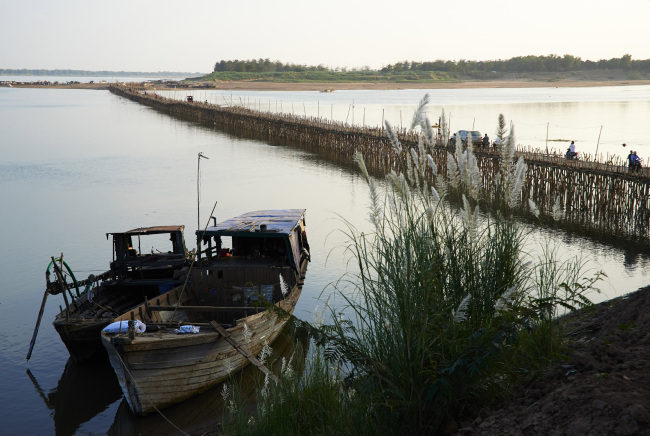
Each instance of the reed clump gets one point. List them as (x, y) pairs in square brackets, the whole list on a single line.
[(444, 310)]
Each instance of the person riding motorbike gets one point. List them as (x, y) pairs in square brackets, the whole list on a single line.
[(571, 151)]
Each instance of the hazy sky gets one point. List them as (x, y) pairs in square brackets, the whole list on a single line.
[(191, 35)]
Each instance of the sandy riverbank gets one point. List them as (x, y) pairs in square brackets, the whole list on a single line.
[(259, 86), (273, 86)]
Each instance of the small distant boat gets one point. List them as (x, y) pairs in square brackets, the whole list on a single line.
[(195, 336), (327, 90), (134, 274)]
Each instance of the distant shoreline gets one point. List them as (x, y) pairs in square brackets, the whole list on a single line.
[(322, 86)]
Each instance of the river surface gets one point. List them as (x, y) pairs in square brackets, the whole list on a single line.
[(77, 164)]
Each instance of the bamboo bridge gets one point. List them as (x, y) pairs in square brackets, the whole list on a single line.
[(603, 199)]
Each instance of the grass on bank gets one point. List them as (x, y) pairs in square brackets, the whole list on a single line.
[(449, 308)]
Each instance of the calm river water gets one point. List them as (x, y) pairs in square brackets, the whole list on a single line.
[(77, 164)]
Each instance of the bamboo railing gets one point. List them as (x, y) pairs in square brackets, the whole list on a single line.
[(602, 197)]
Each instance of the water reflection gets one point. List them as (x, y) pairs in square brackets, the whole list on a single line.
[(82, 393)]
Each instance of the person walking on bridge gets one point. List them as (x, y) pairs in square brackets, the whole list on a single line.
[(630, 160), (636, 162), (486, 141)]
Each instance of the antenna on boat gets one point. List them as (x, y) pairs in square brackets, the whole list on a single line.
[(198, 189)]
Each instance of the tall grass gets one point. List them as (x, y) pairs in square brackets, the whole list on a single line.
[(448, 305)]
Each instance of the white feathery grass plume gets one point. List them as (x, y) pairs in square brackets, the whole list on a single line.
[(402, 188), (319, 315), (264, 392), (266, 352), (533, 207), (420, 164), (474, 176), (430, 213), (416, 160), (391, 201), (225, 392), (459, 146), (288, 373), (435, 195), (432, 164), (441, 185), (286, 370), (409, 169), (444, 136), (557, 212), (421, 155), (470, 219), (505, 300), (420, 112), (460, 313), (507, 156), (232, 408), (470, 173), (394, 180), (376, 210), (517, 182), (247, 334), (461, 159), (508, 151), (392, 136), (452, 171), (283, 286), (358, 159), (429, 134)]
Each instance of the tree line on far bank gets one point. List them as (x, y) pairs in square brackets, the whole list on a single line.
[(520, 64), (434, 71)]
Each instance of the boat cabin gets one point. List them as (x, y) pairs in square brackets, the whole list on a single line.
[(258, 255), (148, 253)]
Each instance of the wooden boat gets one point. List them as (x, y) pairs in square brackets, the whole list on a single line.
[(134, 274), (259, 257)]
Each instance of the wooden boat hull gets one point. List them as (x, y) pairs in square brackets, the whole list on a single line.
[(82, 338), (132, 277), (81, 325), (157, 372)]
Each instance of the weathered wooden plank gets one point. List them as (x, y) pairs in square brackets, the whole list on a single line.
[(227, 336)]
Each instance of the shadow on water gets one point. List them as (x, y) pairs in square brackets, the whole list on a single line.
[(83, 392)]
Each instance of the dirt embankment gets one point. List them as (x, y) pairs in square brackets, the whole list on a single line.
[(602, 387)]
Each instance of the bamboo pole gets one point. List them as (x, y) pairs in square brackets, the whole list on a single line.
[(598, 143), (547, 138)]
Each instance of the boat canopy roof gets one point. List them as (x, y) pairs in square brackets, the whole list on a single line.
[(150, 230), (267, 223)]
